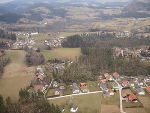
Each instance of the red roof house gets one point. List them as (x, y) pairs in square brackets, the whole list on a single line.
[(148, 89), (132, 97), (116, 74), (125, 83), (83, 85), (38, 87), (103, 80), (40, 77)]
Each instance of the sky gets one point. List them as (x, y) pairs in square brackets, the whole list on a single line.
[(1, 1)]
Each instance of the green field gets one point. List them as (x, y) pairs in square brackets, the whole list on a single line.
[(90, 103), (16, 74), (70, 53)]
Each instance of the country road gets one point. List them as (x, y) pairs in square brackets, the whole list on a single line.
[(74, 95)]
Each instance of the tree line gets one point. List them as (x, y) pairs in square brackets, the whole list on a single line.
[(25, 104), (6, 35), (3, 62)]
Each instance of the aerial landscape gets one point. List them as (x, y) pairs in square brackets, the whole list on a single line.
[(74, 56)]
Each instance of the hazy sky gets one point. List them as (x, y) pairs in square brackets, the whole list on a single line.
[(99, 0)]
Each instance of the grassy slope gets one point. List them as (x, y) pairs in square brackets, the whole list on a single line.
[(16, 74), (90, 103), (70, 53)]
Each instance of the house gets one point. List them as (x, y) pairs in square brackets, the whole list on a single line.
[(83, 87), (125, 83), (74, 109), (111, 92), (75, 88), (103, 80), (106, 94), (132, 84), (38, 87), (147, 79), (57, 92), (55, 84), (40, 77), (131, 97), (148, 89), (103, 86), (116, 75), (140, 91), (108, 77), (61, 87), (115, 86)]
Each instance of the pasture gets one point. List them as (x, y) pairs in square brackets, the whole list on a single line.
[(70, 53), (90, 103), (16, 74)]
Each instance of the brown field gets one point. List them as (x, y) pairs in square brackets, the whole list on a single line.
[(109, 109), (16, 74), (70, 53)]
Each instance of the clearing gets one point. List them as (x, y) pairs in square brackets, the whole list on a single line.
[(70, 53), (16, 74)]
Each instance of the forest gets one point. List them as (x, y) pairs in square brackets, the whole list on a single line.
[(97, 57)]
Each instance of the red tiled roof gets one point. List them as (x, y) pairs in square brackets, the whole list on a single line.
[(39, 76), (132, 97), (110, 90), (83, 85), (148, 89), (125, 82), (106, 75), (117, 50), (103, 80), (116, 74), (38, 87)]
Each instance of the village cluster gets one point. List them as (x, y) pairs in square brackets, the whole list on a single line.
[(138, 85), (142, 53)]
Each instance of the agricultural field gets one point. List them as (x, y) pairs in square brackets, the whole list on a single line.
[(70, 53), (110, 104), (16, 74), (90, 103)]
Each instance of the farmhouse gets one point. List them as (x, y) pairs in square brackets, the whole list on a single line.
[(75, 88), (140, 91), (116, 75), (103, 86), (83, 87), (125, 83), (132, 97)]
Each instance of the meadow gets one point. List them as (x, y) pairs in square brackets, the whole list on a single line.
[(16, 74), (90, 103), (70, 53)]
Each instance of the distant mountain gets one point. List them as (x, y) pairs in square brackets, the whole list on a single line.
[(37, 10), (138, 5)]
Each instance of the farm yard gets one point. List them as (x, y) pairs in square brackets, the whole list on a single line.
[(16, 74), (69, 53), (90, 103)]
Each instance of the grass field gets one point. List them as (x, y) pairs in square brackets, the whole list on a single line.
[(16, 74), (90, 103), (70, 53)]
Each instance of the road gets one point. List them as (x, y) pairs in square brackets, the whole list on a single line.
[(74, 95), (120, 95)]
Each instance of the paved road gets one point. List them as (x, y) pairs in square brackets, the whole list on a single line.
[(120, 95), (74, 95)]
